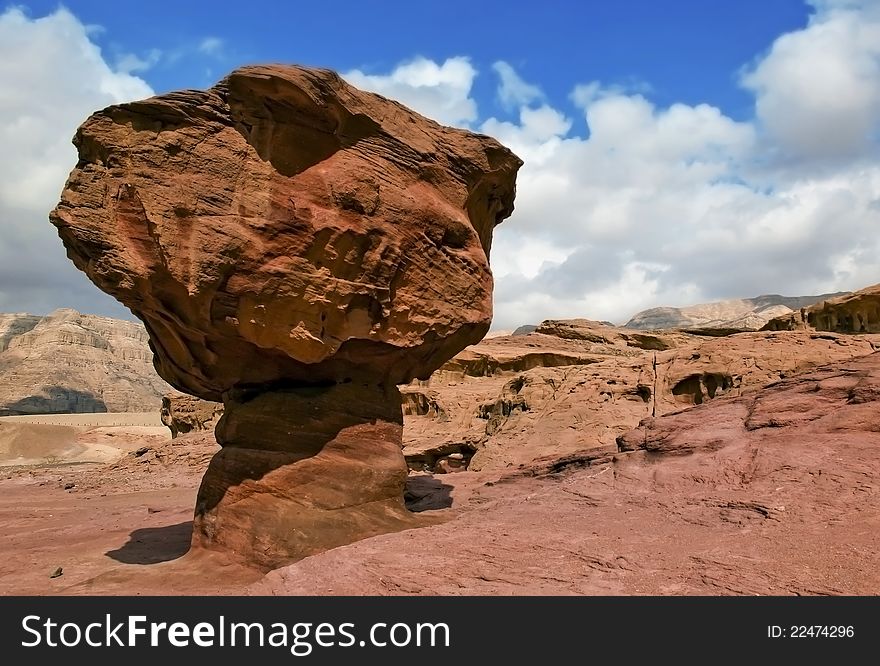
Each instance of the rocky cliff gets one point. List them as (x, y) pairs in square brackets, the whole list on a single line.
[(68, 362), (743, 314), (858, 312)]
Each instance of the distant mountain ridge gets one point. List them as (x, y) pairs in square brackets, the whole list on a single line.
[(744, 313), (67, 362)]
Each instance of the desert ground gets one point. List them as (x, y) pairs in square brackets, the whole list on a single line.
[(771, 491), (107, 504)]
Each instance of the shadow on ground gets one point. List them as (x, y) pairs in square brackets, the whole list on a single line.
[(426, 493), (151, 545)]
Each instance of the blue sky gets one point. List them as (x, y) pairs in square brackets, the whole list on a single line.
[(675, 152), (685, 50)]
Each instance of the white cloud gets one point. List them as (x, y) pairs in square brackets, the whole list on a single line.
[(671, 206), (655, 207), (438, 91), (818, 89), (212, 46), (585, 94), (52, 76), (621, 204), (513, 91)]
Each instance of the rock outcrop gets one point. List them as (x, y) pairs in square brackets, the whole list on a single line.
[(185, 413), (738, 314), (67, 362), (577, 385), (858, 312), (13, 325), (296, 248), (770, 493)]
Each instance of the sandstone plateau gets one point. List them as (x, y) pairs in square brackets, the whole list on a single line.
[(772, 492), (576, 385), (295, 248), (732, 314), (67, 362)]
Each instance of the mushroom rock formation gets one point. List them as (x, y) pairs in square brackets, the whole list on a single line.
[(296, 248)]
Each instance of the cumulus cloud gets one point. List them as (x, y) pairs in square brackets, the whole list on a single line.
[(439, 91), (129, 62), (52, 76), (631, 206), (621, 204), (818, 90)]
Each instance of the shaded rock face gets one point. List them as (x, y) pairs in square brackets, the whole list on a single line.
[(14, 325), (302, 471), (858, 312), (280, 234)]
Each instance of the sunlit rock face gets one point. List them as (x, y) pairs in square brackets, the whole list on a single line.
[(284, 233)]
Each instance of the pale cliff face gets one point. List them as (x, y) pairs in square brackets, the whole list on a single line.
[(740, 313), (67, 362)]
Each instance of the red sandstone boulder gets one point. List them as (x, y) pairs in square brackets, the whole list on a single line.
[(184, 413), (284, 226), (295, 247)]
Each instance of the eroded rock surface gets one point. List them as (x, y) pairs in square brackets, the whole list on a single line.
[(279, 234), (575, 385), (185, 413), (284, 226), (858, 312), (771, 492)]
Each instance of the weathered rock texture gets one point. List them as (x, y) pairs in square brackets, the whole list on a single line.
[(185, 413), (284, 226), (283, 230), (575, 385), (67, 362), (304, 470), (578, 384), (774, 492), (742, 314), (858, 312)]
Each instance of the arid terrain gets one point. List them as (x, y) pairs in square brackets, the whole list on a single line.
[(310, 263), (770, 493), (579, 459)]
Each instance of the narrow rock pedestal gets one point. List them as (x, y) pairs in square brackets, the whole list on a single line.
[(303, 470)]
